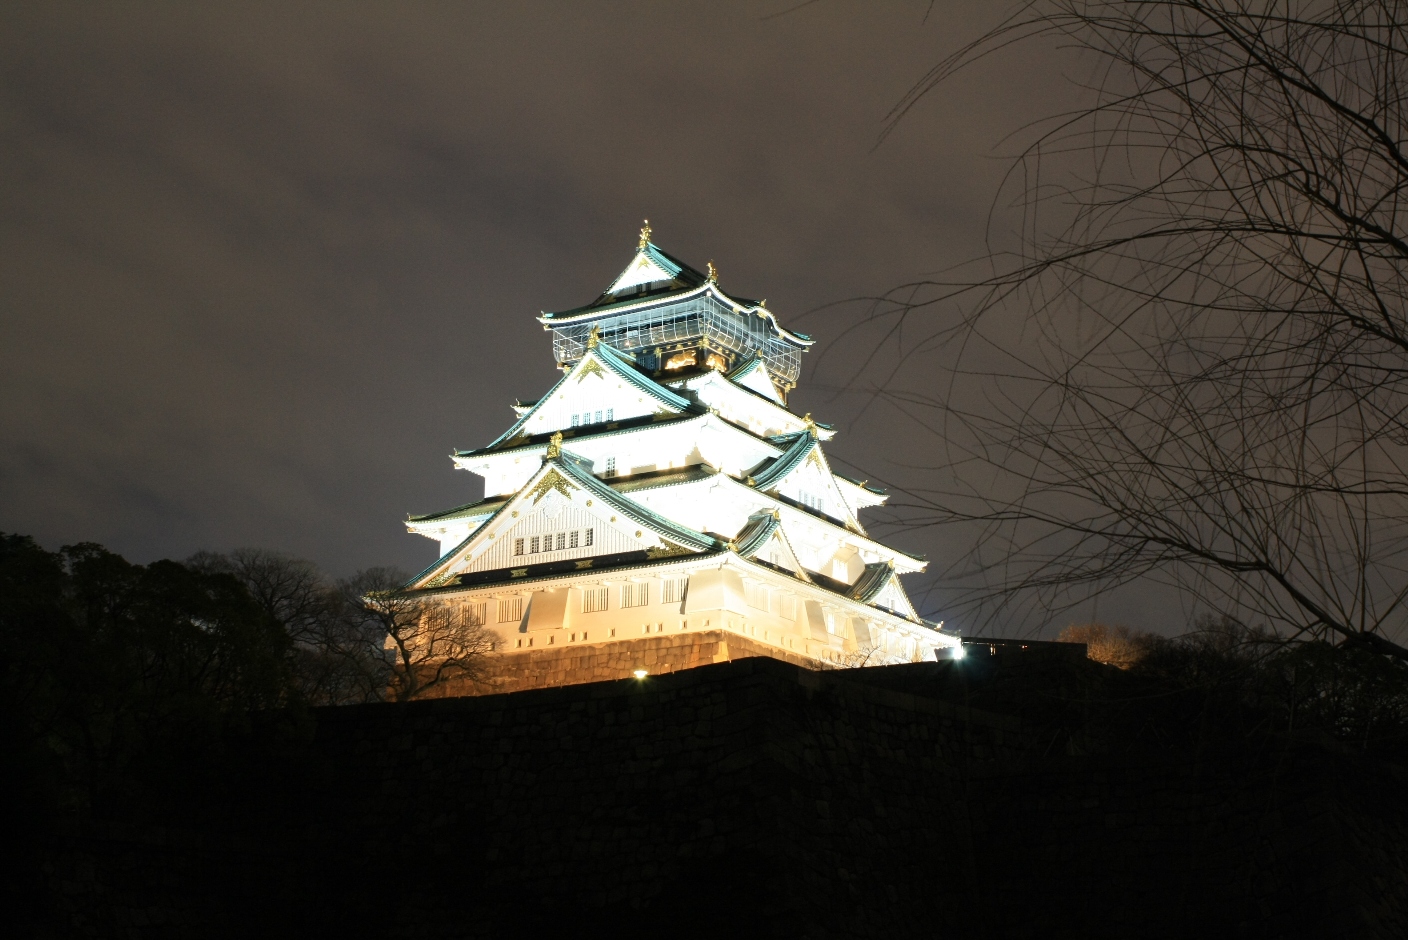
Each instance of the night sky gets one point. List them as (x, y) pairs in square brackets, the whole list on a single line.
[(262, 267)]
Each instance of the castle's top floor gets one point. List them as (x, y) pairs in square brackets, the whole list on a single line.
[(672, 319)]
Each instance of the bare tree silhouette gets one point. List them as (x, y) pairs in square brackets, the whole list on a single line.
[(1192, 365), (407, 643)]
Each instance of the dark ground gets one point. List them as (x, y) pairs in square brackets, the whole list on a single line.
[(1006, 798)]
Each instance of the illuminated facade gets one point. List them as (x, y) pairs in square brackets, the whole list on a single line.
[(662, 486)]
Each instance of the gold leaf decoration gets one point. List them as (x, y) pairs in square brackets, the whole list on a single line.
[(553, 481), (668, 550), (591, 368)]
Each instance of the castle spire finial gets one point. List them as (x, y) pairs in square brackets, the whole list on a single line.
[(645, 235), (554, 446), (713, 273)]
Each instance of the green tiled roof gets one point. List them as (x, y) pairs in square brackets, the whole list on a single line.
[(490, 504), (801, 446), (620, 367), (755, 533), (685, 536), (872, 581)]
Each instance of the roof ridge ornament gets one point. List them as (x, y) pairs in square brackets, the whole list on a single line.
[(811, 426), (594, 337), (554, 446), (644, 235), (713, 273)]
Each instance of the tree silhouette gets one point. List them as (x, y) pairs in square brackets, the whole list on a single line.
[(1192, 365)]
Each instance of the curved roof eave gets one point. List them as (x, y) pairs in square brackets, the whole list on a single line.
[(577, 314)]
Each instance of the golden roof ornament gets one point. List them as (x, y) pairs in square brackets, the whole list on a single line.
[(811, 426), (644, 235), (594, 337), (713, 273), (554, 445)]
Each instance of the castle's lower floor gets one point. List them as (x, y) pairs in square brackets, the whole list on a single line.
[(552, 666)]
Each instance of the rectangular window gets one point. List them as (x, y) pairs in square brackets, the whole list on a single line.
[(518, 546), (572, 539), (672, 590), (635, 595), (611, 466), (511, 610), (474, 613), (561, 541), (534, 548), (610, 414), (598, 417), (755, 594), (593, 600), (576, 420), (588, 539)]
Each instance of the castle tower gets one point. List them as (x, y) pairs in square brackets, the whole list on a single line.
[(662, 497)]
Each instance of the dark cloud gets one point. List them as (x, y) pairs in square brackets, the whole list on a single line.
[(263, 266)]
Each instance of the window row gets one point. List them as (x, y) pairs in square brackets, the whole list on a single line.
[(762, 597), (553, 542), (592, 417)]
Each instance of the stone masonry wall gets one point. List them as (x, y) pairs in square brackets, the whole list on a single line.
[(603, 662), (756, 799)]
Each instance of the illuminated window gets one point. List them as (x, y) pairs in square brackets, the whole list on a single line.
[(634, 595), (672, 590), (593, 600), (756, 595), (576, 420), (598, 417)]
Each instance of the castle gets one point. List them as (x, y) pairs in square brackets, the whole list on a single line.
[(661, 494)]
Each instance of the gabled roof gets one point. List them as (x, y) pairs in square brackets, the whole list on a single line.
[(800, 447), (872, 581), (661, 273), (756, 532), (666, 278), (477, 508), (580, 471), (597, 357), (753, 376), (653, 266)]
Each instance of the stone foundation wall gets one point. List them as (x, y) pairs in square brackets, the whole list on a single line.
[(603, 662), (748, 799)]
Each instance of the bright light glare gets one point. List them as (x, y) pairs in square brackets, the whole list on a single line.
[(640, 673), (959, 652)]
